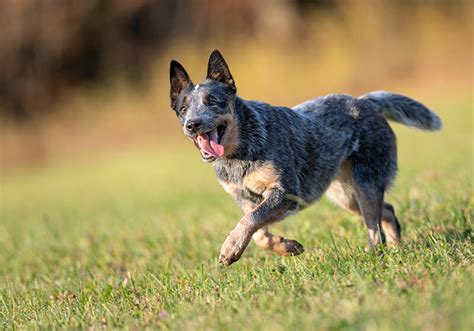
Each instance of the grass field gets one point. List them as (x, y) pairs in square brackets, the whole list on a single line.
[(131, 241)]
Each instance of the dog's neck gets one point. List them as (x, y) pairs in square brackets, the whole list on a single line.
[(252, 132), (251, 147)]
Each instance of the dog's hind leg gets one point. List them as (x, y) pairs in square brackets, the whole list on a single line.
[(277, 244), (390, 226), (343, 191), (344, 195), (371, 207)]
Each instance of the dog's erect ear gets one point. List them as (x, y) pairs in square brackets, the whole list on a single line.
[(218, 70), (179, 79)]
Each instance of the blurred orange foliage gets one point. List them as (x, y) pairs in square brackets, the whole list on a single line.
[(78, 78)]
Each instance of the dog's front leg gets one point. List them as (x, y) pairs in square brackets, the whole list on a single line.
[(272, 209)]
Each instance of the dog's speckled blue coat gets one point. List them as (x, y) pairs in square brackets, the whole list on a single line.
[(301, 150)]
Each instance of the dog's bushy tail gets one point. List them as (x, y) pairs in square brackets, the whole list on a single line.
[(403, 110)]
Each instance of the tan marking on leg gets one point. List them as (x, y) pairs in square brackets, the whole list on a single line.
[(235, 191), (341, 191), (277, 244), (247, 207), (231, 188), (390, 226), (264, 178)]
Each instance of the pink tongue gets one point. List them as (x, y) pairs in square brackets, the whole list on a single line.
[(209, 144)]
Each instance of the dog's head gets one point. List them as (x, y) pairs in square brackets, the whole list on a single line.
[(206, 111)]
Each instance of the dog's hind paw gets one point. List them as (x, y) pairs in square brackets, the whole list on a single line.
[(288, 247)]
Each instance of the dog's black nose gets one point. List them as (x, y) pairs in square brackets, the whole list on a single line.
[(193, 125)]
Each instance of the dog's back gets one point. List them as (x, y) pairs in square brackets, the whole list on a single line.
[(357, 127)]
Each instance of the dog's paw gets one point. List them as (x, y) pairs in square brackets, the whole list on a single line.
[(234, 246), (288, 247)]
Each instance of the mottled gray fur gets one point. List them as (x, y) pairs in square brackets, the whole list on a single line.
[(336, 141), (401, 109)]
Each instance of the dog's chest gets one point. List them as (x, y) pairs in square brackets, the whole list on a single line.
[(249, 184), (241, 193)]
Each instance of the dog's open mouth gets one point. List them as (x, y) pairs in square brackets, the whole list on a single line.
[(209, 143)]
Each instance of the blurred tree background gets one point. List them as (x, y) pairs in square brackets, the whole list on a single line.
[(86, 76)]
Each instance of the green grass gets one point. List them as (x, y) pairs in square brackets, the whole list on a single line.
[(131, 241)]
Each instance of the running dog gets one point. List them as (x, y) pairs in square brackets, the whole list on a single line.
[(275, 160)]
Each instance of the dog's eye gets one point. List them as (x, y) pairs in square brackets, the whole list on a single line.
[(182, 110), (211, 100)]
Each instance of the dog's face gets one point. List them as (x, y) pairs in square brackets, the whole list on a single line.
[(206, 111)]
